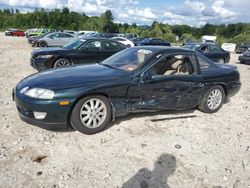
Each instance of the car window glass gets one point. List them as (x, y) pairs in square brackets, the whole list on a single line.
[(173, 65), (204, 63), (93, 44), (204, 48), (65, 35), (111, 46), (129, 59), (214, 48)]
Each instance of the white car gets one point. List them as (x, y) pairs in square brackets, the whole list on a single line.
[(55, 39), (124, 41)]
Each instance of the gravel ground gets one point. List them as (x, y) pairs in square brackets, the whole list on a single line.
[(144, 150)]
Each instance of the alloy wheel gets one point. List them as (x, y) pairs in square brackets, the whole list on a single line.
[(62, 63), (93, 113), (214, 99)]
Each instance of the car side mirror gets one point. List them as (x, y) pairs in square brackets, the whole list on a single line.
[(146, 77)]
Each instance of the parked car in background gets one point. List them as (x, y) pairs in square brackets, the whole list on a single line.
[(82, 33), (14, 32), (80, 51), (55, 39), (70, 32), (138, 79), (208, 39), (138, 39), (33, 40), (8, 32), (243, 48), (130, 36), (124, 41), (17, 33), (212, 51), (38, 31), (245, 57), (152, 42)]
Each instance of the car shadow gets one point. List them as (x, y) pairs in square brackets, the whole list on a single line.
[(164, 167)]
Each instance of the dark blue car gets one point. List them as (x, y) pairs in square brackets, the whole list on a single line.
[(210, 50)]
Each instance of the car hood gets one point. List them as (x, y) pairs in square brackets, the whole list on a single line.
[(49, 50), (70, 77), (247, 53)]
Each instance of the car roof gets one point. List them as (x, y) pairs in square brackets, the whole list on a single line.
[(96, 38), (156, 49)]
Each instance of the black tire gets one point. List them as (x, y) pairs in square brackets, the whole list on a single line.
[(77, 123), (62, 62), (43, 44), (221, 60), (204, 106)]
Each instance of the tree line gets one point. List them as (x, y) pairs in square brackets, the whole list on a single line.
[(65, 19)]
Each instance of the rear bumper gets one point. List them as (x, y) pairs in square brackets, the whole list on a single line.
[(234, 88)]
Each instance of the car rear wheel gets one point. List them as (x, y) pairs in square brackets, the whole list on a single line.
[(213, 100), (91, 114), (62, 63), (43, 44), (221, 60)]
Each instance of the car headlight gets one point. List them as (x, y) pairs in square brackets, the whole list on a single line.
[(44, 56), (40, 93)]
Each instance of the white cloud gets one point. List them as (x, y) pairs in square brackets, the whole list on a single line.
[(219, 8), (191, 12)]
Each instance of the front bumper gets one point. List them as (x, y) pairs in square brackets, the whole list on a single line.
[(56, 118), (244, 58), (41, 64)]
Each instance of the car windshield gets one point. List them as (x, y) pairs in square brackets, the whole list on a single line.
[(128, 60), (75, 44)]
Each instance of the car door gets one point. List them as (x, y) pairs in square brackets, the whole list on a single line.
[(217, 53), (65, 38), (52, 39), (89, 52), (108, 49), (172, 82)]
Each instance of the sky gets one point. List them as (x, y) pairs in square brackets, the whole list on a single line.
[(191, 12)]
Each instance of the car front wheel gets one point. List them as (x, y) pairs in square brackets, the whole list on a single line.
[(91, 114), (62, 63), (213, 100), (43, 44)]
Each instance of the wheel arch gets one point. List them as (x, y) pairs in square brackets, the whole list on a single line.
[(224, 86)]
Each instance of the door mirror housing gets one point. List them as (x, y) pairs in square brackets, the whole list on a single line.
[(145, 77)]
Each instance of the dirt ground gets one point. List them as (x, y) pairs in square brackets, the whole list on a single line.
[(184, 150)]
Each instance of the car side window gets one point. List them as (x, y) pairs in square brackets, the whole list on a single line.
[(204, 48), (93, 44), (55, 35), (214, 48), (204, 64), (111, 46), (177, 64)]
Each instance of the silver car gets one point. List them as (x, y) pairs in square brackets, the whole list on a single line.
[(55, 39)]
